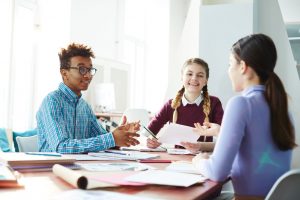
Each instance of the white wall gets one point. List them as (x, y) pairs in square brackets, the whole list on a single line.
[(220, 26), (95, 23), (290, 10), (178, 14), (270, 22)]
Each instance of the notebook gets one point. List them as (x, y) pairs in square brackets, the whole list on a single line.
[(8, 177), (20, 159)]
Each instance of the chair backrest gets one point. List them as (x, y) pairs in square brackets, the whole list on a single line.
[(28, 144), (286, 187), (136, 114), (26, 133)]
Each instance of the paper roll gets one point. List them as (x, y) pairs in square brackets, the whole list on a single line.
[(70, 176)]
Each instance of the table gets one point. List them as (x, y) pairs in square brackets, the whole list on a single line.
[(41, 185)]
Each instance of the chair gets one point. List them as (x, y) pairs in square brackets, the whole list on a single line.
[(136, 114), (142, 115), (286, 187), (28, 144), (26, 134)]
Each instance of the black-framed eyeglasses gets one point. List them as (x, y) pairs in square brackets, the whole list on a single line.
[(84, 70)]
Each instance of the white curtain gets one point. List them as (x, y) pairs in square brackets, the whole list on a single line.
[(30, 40)]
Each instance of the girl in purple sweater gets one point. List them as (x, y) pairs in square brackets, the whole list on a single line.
[(192, 105), (256, 138)]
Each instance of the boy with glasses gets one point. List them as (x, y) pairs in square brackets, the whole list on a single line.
[(65, 122)]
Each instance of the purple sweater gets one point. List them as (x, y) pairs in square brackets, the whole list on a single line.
[(187, 115), (245, 149)]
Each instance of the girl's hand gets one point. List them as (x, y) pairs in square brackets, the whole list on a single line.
[(208, 129), (153, 143)]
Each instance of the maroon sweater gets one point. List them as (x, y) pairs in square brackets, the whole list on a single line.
[(187, 115)]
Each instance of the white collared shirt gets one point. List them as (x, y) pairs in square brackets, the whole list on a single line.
[(197, 101)]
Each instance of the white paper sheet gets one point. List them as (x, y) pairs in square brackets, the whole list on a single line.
[(96, 195), (124, 155), (143, 149), (182, 166), (179, 151), (161, 177), (176, 133), (85, 157), (115, 166)]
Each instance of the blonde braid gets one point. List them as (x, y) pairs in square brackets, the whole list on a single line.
[(176, 103), (206, 103)]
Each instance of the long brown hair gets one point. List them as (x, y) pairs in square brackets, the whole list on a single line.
[(176, 102), (259, 52)]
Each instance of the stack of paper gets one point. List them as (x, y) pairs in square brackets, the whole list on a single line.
[(43, 161), (8, 177)]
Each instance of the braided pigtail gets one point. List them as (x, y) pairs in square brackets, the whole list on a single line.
[(176, 103), (206, 103)]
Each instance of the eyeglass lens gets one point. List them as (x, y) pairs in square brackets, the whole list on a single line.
[(84, 70)]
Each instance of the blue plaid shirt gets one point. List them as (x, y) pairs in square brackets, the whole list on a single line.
[(67, 124)]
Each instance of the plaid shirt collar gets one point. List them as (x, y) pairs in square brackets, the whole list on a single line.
[(70, 95)]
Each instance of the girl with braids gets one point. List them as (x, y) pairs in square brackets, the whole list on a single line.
[(256, 138), (191, 106)]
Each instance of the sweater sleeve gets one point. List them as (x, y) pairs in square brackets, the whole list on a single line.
[(219, 165), (161, 118)]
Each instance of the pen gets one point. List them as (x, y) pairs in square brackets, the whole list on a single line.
[(154, 161), (152, 134), (43, 154), (115, 152)]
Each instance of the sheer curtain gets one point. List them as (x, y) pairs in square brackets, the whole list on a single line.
[(146, 49), (30, 42)]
